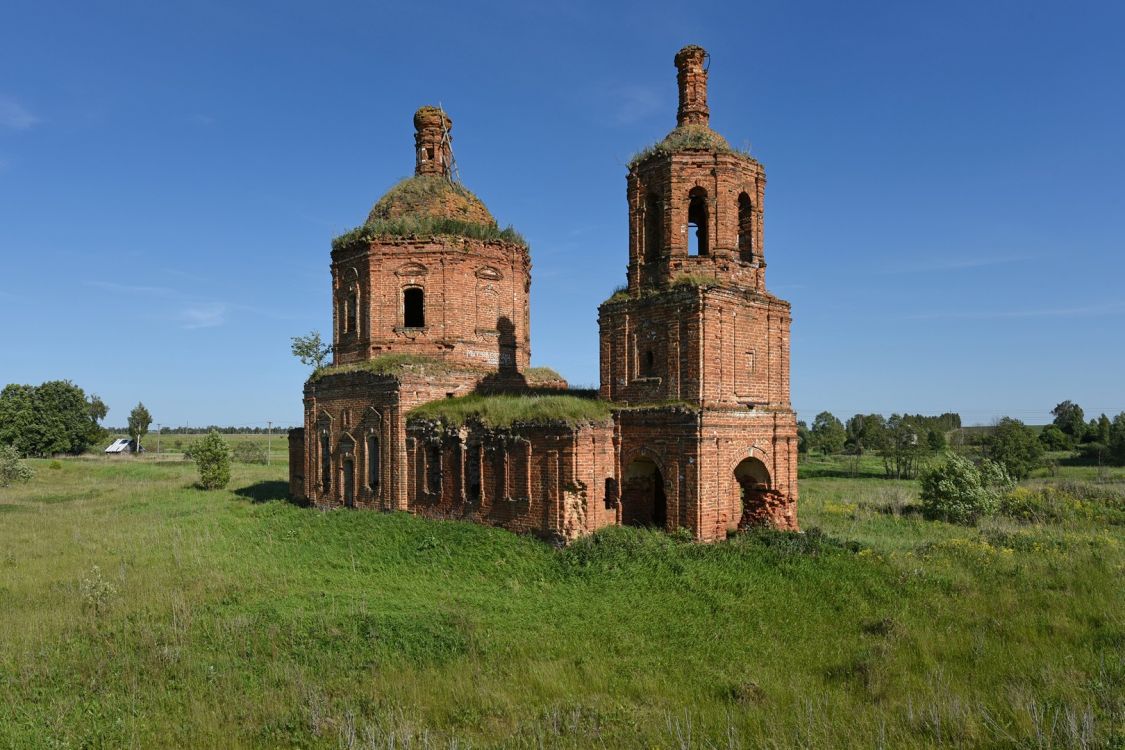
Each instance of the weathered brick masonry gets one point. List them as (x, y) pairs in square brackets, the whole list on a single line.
[(431, 302)]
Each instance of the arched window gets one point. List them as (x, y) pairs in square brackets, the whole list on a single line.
[(325, 463), (373, 462), (414, 307), (745, 228), (697, 222), (350, 312), (654, 223), (433, 469), (648, 364)]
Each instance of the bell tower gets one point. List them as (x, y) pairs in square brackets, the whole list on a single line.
[(695, 203), (694, 343)]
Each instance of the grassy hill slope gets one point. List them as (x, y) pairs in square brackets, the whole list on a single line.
[(136, 610)]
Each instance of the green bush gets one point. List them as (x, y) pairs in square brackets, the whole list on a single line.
[(249, 453), (212, 455), (1063, 502), (959, 492), (12, 469)]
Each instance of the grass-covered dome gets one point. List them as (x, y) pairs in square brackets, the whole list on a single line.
[(430, 197)]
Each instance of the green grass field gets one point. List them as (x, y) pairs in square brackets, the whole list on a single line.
[(138, 611)]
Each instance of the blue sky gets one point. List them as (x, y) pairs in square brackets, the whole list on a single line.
[(945, 209)]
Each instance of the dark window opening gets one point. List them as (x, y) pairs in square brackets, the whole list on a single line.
[(325, 464), (472, 474), (745, 228), (414, 307), (373, 462), (429, 153), (697, 222), (654, 222), (350, 313), (349, 483), (433, 470), (648, 365), (610, 493), (500, 472)]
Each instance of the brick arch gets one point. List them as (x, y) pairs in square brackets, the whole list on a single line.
[(749, 451), (647, 503)]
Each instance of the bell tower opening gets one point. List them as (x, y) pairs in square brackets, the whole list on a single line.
[(654, 222), (697, 222), (413, 307), (745, 228)]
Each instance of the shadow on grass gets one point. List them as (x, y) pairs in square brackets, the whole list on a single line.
[(267, 491)]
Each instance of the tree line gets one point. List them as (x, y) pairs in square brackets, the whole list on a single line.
[(904, 441)]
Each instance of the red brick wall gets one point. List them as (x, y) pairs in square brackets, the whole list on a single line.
[(547, 480), (477, 309)]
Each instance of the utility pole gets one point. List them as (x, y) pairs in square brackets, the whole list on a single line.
[(269, 440)]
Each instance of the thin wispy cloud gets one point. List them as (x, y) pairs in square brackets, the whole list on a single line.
[(146, 291), (208, 315), (1086, 311), (955, 264), (15, 116)]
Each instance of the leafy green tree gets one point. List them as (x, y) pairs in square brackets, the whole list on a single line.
[(1070, 419), (139, 421), (957, 491), (803, 438), (212, 457), (1054, 439), (828, 433), (935, 440), (12, 469), (311, 350), (54, 417), (1016, 446), (903, 447), (1117, 440)]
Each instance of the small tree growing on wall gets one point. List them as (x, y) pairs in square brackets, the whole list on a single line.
[(212, 457), (139, 421), (311, 350)]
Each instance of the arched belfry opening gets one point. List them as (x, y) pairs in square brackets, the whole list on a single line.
[(643, 502), (697, 222), (653, 226), (754, 486), (745, 228), (414, 307)]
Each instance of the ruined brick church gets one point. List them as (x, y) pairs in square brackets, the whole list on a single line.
[(430, 405)]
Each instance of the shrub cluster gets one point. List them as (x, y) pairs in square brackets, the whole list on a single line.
[(249, 453), (1066, 501), (12, 469), (212, 456), (959, 491)]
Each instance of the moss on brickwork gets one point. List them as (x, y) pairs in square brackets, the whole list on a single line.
[(388, 364), (507, 410), (687, 138)]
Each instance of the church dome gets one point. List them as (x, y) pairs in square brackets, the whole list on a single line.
[(430, 198)]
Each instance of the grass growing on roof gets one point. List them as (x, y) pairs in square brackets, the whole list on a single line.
[(388, 364), (541, 374), (506, 410), (425, 226), (687, 138)]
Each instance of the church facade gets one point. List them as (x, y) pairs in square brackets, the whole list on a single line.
[(430, 405)]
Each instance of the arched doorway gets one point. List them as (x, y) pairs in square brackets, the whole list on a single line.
[(754, 485), (643, 502)]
